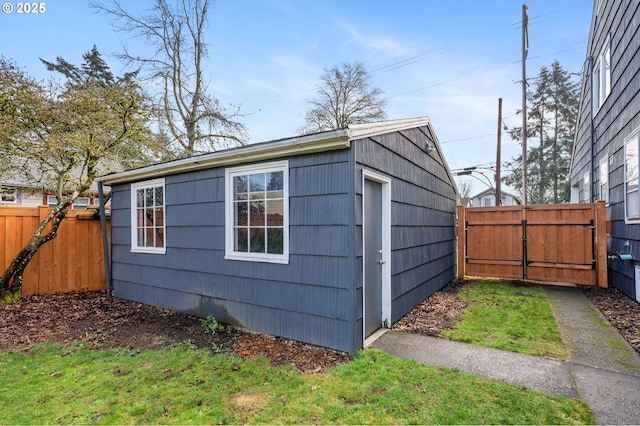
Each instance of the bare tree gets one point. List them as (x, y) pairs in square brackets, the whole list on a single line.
[(344, 97), (465, 189), (189, 113)]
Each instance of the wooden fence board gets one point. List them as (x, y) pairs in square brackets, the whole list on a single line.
[(564, 243), (72, 261)]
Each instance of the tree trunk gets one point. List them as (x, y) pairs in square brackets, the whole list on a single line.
[(11, 280)]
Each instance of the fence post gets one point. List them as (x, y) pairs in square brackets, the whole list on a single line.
[(525, 260), (461, 241), (601, 244)]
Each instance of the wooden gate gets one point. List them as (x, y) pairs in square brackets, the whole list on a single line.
[(563, 243)]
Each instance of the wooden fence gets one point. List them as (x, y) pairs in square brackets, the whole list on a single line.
[(549, 243), (73, 261)]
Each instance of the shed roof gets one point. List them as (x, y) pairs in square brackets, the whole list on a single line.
[(317, 142)]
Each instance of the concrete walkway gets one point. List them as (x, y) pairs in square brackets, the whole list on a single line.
[(602, 369)]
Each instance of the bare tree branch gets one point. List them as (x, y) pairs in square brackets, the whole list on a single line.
[(190, 114), (344, 97)]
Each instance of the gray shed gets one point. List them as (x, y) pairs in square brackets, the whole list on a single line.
[(325, 238)]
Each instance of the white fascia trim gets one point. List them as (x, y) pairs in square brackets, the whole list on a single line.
[(326, 141), (360, 131)]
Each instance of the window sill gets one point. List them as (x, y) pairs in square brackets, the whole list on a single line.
[(282, 260), (149, 250)]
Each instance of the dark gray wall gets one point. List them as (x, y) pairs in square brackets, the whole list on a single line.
[(614, 121), (310, 299), (317, 297), (423, 209)]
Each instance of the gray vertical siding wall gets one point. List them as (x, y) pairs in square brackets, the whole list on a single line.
[(615, 120), (310, 299), (423, 209)]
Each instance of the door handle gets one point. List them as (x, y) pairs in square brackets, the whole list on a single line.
[(381, 261)]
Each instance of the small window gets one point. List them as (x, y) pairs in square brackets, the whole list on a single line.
[(632, 201), (601, 77), (488, 201), (148, 217), (79, 203), (8, 195), (257, 205), (586, 188), (604, 179)]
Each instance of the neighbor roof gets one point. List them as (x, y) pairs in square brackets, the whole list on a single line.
[(317, 142)]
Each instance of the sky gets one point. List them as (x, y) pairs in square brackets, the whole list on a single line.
[(449, 60)]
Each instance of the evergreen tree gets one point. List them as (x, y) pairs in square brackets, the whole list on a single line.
[(553, 110)]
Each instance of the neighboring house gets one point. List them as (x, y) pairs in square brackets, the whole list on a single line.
[(18, 194), (487, 198), (324, 238), (605, 160)]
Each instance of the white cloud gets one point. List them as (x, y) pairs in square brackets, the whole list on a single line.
[(262, 85), (376, 43)]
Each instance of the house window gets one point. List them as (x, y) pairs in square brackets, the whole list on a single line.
[(586, 188), (148, 217), (79, 203), (632, 202), (604, 179), (8, 195), (601, 77), (257, 213), (488, 201)]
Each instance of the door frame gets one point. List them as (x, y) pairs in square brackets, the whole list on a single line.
[(385, 183)]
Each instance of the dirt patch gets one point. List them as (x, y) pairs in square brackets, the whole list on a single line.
[(106, 322), (247, 403), (435, 314), (621, 311)]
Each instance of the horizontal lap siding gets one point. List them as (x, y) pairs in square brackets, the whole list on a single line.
[(422, 216), (308, 299), (616, 119)]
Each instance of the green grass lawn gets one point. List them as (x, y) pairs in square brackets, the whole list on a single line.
[(501, 315), (77, 384)]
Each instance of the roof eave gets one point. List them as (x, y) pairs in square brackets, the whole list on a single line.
[(327, 141)]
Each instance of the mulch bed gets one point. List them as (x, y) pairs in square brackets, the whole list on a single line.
[(107, 322)]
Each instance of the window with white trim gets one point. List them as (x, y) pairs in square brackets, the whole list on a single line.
[(586, 187), (148, 217), (631, 199), (257, 213), (601, 77), (604, 178)]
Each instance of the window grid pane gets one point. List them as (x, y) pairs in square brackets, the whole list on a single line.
[(150, 217), (258, 223)]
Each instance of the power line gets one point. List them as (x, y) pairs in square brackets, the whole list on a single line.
[(469, 138), (417, 58)]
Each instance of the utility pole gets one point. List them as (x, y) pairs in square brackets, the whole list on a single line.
[(498, 183), (525, 51)]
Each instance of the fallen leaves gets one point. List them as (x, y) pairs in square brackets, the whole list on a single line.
[(103, 321)]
